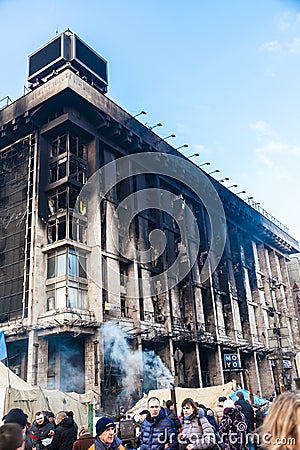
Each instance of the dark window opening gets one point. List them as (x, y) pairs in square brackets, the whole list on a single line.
[(124, 307)]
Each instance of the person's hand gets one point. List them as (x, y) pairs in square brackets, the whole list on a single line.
[(51, 433), (189, 447)]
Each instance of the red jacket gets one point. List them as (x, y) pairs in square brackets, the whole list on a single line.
[(83, 442)]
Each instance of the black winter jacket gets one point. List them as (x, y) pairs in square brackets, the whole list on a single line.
[(157, 432), (40, 432), (65, 435), (248, 412), (173, 417)]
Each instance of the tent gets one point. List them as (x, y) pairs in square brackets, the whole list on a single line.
[(17, 393), (207, 396)]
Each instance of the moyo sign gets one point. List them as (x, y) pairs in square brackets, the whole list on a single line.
[(231, 361)]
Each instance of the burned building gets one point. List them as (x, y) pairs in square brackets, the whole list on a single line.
[(67, 266)]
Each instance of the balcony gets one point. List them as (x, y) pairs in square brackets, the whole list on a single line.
[(66, 319)]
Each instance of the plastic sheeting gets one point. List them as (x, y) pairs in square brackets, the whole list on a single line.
[(16, 393), (207, 396), (257, 399)]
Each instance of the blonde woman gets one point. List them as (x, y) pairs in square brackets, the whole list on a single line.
[(197, 433), (281, 427)]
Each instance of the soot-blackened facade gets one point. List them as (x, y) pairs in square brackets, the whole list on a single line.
[(55, 287)]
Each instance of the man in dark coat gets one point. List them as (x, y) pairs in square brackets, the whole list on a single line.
[(40, 431), (65, 433), (247, 410), (171, 413), (17, 415), (158, 431)]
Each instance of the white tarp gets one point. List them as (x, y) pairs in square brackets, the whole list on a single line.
[(16, 393), (9, 378), (207, 396)]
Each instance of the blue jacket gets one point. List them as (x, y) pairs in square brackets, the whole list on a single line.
[(158, 431)]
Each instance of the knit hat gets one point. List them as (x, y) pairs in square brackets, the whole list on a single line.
[(228, 403), (104, 423), (16, 415)]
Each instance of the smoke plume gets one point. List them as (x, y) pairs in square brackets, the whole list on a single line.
[(130, 362)]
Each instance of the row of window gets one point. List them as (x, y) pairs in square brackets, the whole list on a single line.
[(70, 144), (67, 167), (59, 229), (62, 200), (65, 198), (73, 295), (66, 262)]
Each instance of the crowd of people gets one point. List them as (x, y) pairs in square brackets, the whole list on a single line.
[(231, 426), (48, 431)]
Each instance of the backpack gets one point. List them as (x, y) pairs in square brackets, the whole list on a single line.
[(219, 445)]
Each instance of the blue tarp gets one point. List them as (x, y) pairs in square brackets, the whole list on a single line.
[(257, 399)]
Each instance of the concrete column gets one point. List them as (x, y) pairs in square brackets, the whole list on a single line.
[(262, 318), (43, 363), (94, 261), (257, 373), (139, 349), (198, 295), (92, 366), (251, 306), (31, 360), (221, 364), (198, 365), (241, 375), (112, 262), (235, 312), (283, 299)]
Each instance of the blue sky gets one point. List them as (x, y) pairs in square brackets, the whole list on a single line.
[(223, 76)]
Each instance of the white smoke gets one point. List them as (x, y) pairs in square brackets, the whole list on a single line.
[(133, 365), (71, 372)]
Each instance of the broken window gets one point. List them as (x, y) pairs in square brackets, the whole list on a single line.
[(124, 307), (78, 147), (58, 146), (58, 170), (77, 171)]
